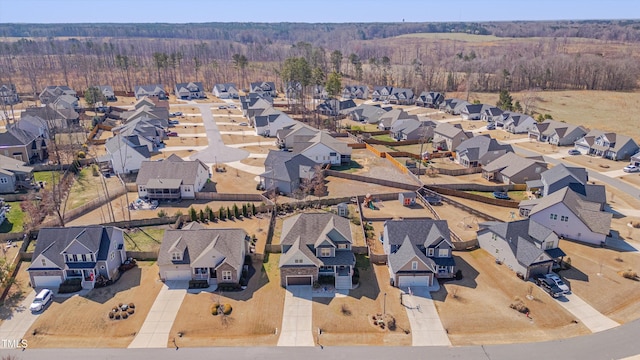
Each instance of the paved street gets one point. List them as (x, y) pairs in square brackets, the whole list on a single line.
[(586, 314), (154, 332), (296, 319), (426, 327), (217, 151)]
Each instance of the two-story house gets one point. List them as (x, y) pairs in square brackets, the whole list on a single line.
[(402, 96), (518, 123), (430, 99), (264, 88), (556, 132), (491, 114), (480, 150), (212, 255), (323, 149), (284, 171), (50, 93), (314, 245), (355, 92), (448, 137), (411, 129), (269, 122), (8, 94), (154, 90), (608, 145), (190, 90), (107, 92), (335, 107), (287, 135), (381, 93), (125, 154), (225, 91), (513, 169), (14, 175), (524, 246), (83, 252), (171, 178), (23, 145), (418, 251)]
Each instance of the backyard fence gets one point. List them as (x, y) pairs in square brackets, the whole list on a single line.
[(475, 197), (143, 255), (371, 180)]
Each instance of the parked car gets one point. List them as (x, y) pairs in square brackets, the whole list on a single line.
[(501, 195), (174, 122), (631, 168), (574, 152), (491, 126), (222, 107), (549, 286), (232, 106), (244, 124), (178, 113), (172, 114), (172, 133), (434, 200), (44, 297), (559, 283)]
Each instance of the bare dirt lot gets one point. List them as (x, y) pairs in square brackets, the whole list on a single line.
[(368, 164), (394, 209), (253, 161), (190, 119), (346, 321), (339, 187), (82, 321), (186, 141), (475, 310), (235, 181), (256, 313)]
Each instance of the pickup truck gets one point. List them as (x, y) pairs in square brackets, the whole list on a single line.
[(549, 286)]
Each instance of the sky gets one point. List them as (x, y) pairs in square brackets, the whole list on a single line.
[(310, 11)]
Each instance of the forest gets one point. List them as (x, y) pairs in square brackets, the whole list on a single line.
[(488, 57)]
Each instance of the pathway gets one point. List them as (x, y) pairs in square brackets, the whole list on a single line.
[(154, 332), (21, 320), (255, 170), (296, 318), (589, 316), (426, 327)]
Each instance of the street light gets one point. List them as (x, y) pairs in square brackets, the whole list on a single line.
[(384, 307)]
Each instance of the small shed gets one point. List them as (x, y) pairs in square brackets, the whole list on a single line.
[(343, 209), (407, 198)]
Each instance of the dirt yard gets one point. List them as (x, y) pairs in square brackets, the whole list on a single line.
[(262, 149), (82, 321), (190, 119), (595, 278), (249, 137), (345, 321), (633, 179), (596, 163), (87, 187), (475, 310), (188, 129), (235, 181), (186, 141), (339, 187), (394, 209), (166, 154), (253, 161), (256, 313)]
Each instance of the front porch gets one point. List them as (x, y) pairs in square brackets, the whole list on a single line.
[(206, 274), (87, 276), (342, 275)]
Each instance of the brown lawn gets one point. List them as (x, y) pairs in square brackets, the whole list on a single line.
[(633, 179), (339, 187), (598, 290), (262, 149), (190, 119), (595, 163), (186, 141), (235, 181), (345, 321), (257, 312), (394, 209), (479, 313), (249, 137), (82, 321), (253, 161), (166, 154), (188, 129), (87, 187)]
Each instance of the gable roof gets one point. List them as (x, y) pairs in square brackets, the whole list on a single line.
[(322, 137), (561, 171), (511, 164), (225, 87), (477, 146), (133, 142), (423, 232), (522, 237), (450, 131), (408, 251), (286, 166), (172, 168)]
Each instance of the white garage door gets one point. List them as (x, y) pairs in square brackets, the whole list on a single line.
[(47, 281), (177, 275), (408, 280)]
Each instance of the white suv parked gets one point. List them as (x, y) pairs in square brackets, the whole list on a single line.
[(42, 299)]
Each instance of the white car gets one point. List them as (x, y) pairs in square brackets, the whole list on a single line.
[(42, 299), (556, 279), (631, 168)]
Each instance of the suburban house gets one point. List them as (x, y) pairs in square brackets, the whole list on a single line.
[(287, 135), (448, 137), (171, 178), (285, 171), (107, 92), (471, 111), (50, 93), (453, 106), (264, 88), (381, 93), (386, 120), (355, 92), (56, 118), (335, 107), (557, 178), (151, 129), (33, 125), (314, 245), (156, 90), (225, 91), (524, 246), (213, 255), (556, 132), (292, 90), (77, 252), (319, 92), (255, 104), (14, 175), (411, 129), (491, 114), (570, 215), (23, 145), (366, 113), (401, 96), (148, 108), (323, 149), (8, 94), (513, 169), (268, 125), (518, 123), (607, 145), (418, 251), (635, 159), (430, 99), (125, 154), (480, 150), (190, 90)]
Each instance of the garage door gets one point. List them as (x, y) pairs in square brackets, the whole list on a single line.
[(177, 275), (408, 280), (47, 281), (299, 280)]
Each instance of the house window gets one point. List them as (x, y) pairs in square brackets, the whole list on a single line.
[(325, 252), (494, 237), (553, 216), (342, 246), (298, 261), (564, 218), (141, 188), (84, 257), (3, 180), (112, 255), (430, 252), (44, 262), (443, 252), (226, 276), (414, 265), (176, 256), (332, 154), (548, 245)]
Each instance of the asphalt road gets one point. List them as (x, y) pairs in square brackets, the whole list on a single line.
[(616, 343), (217, 151)]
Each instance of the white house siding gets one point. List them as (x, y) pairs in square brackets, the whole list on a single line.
[(186, 192), (499, 249), (573, 229), (320, 153), (127, 162)]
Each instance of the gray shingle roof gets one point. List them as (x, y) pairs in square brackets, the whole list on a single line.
[(406, 253), (561, 171), (14, 166), (132, 142), (522, 237), (286, 166), (170, 168), (482, 145), (421, 232)]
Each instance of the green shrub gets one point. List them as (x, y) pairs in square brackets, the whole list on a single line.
[(162, 214), (70, 286), (226, 309), (355, 221), (178, 214), (193, 214), (202, 216)]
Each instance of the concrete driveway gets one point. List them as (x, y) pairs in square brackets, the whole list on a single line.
[(20, 321), (216, 151), (589, 316), (296, 318), (426, 327), (154, 332)]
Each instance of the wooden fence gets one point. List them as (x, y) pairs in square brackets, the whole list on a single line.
[(357, 145), (143, 255), (481, 187), (13, 268), (371, 180), (391, 143), (465, 245), (458, 172), (475, 197), (230, 197), (426, 191), (403, 169), (94, 132), (375, 151)]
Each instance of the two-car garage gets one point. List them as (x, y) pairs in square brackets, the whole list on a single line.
[(177, 275), (414, 280), (299, 280), (47, 281)]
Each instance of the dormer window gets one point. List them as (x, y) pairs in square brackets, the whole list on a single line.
[(176, 256), (325, 252), (414, 265), (430, 252)]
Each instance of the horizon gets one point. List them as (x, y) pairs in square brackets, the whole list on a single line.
[(311, 12)]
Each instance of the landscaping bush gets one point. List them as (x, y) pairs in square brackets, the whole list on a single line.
[(193, 214), (345, 310), (70, 286), (162, 214), (125, 315), (326, 279), (355, 221), (629, 274), (115, 309), (111, 315), (131, 311), (117, 316), (131, 305), (120, 305), (459, 274), (228, 287), (214, 309), (226, 309)]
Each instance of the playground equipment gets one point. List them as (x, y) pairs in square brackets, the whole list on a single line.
[(368, 202)]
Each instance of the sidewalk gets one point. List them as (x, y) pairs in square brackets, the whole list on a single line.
[(589, 316)]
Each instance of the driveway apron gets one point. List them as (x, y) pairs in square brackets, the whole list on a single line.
[(15, 327), (296, 317), (426, 327), (589, 316)]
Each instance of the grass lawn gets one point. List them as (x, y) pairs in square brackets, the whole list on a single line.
[(143, 239), (47, 176), (15, 219), (514, 195), (87, 187), (384, 137)]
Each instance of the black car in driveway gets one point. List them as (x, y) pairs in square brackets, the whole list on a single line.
[(549, 286)]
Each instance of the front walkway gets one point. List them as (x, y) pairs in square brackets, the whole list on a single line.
[(426, 327), (296, 318), (589, 316), (16, 326), (154, 332)]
